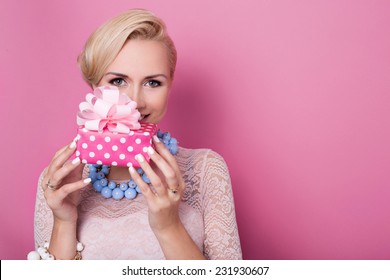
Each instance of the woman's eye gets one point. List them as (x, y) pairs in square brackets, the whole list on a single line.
[(152, 83), (118, 82)]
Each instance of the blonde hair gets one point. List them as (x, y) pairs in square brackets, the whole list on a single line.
[(106, 42)]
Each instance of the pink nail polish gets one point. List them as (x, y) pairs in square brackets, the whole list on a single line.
[(155, 139)]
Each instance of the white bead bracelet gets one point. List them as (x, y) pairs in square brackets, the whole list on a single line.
[(42, 253)]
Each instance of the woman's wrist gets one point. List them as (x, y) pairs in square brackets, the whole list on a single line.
[(169, 232), (176, 243), (63, 239), (64, 223)]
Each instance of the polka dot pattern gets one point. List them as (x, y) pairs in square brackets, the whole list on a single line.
[(117, 149)]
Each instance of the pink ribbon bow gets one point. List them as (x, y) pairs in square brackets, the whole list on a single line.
[(108, 108)]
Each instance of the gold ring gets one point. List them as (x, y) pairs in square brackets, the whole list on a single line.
[(51, 187)]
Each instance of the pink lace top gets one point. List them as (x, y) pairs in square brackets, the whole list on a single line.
[(112, 229)]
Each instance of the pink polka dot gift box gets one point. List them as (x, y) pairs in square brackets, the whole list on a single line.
[(109, 130)]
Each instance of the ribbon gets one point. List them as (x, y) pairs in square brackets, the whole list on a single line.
[(107, 108)]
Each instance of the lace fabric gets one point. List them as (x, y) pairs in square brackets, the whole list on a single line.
[(112, 229)]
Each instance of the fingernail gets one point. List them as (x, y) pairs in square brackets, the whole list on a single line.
[(150, 150), (72, 145), (132, 170), (87, 181), (76, 161), (155, 138), (139, 158)]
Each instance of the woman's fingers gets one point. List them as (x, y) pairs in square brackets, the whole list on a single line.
[(72, 187), (171, 177), (164, 180), (62, 156), (146, 191), (72, 145), (56, 196), (164, 154), (57, 162), (57, 177)]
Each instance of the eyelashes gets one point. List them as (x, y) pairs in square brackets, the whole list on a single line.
[(120, 82), (153, 83)]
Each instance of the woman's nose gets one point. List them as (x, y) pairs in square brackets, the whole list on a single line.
[(136, 95)]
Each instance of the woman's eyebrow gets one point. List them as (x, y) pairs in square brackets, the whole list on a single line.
[(116, 74), (155, 76), (147, 77)]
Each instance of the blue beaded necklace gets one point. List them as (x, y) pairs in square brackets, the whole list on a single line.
[(130, 190)]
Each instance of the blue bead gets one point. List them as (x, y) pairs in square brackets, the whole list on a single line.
[(96, 165), (160, 134), (173, 141), (98, 186), (132, 184), (140, 171), (130, 193), (145, 178), (100, 175), (173, 149), (105, 169), (117, 194), (92, 168), (106, 192), (123, 186), (166, 142), (137, 189), (166, 136), (112, 185), (104, 182), (93, 177)]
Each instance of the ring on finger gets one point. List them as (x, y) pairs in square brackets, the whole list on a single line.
[(50, 186)]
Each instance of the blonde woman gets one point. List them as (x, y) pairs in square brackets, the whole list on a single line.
[(189, 214)]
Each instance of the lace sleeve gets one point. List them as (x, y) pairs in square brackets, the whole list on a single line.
[(221, 233), (43, 217)]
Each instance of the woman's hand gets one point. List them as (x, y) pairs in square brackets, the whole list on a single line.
[(62, 183), (163, 197)]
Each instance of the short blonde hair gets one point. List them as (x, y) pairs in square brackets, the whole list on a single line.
[(106, 42)]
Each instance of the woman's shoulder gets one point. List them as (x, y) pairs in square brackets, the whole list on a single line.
[(186, 154), (202, 162)]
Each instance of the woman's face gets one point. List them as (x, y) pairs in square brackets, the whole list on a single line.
[(141, 70)]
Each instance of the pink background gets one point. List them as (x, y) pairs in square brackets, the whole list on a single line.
[(293, 94)]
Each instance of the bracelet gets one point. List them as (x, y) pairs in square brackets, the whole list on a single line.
[(42, 253)]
